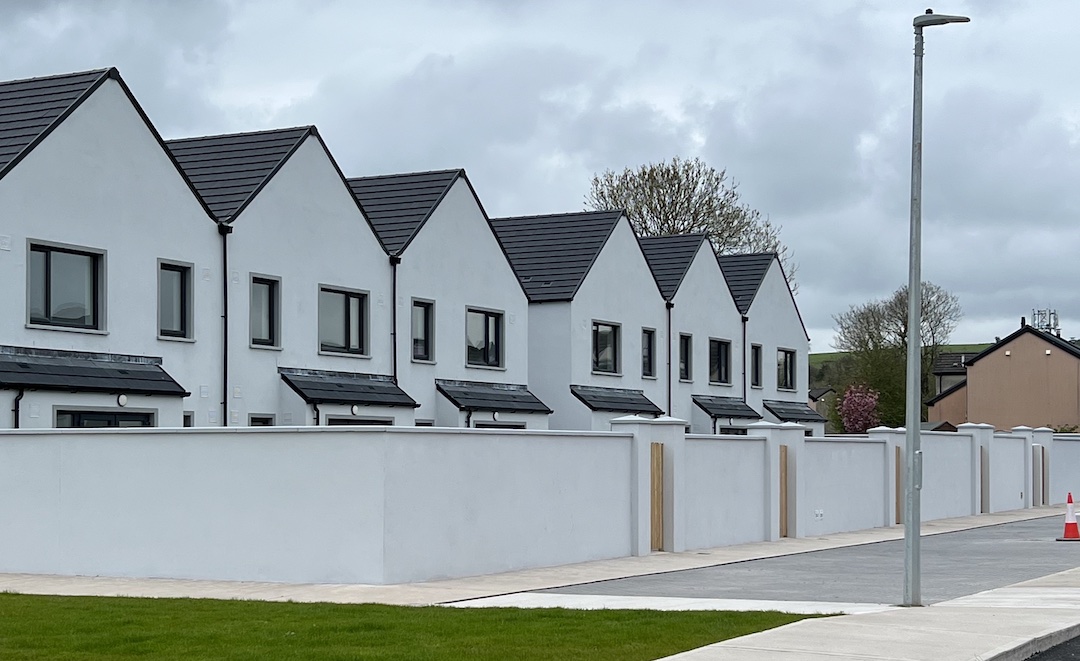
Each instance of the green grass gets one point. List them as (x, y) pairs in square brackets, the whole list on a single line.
[(79, 628)]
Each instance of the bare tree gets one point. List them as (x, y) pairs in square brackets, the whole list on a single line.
[(688, 197)]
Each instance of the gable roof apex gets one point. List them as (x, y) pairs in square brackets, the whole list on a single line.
[(399, 205), (1064, 345), (670, 257)]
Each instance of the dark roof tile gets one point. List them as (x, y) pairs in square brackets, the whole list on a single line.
[(72, 371), (551, 255), (792, 411), (615, 399), (725, 407), (398, 204), (227, 171), (670, 258), (744, 274), (482, 396), (323, 387)]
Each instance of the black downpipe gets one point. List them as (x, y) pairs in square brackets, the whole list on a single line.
[(394, 261), (669, 305), (745, 350), (315, 408), (468, 418), (224, 230), (17, 406)]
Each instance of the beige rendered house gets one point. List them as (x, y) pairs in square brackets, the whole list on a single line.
[(1028, 378)]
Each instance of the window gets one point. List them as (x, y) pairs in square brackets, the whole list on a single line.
[(363, 422), (425, 423), (605, 348), (65, 287), (719, 361), (256, 420), (499, 425), (189, 418), (755, 365), (785, 369), (264, 311), (71, 419), (483, 336), (686, 357), (648, 352), (174, 302), (342, 320), (423, 337)]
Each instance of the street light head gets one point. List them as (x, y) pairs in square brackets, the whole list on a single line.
[(930, 18)]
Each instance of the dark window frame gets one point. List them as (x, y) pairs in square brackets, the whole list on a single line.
[(272, 311), (648, 360), (756, 366), (79, 416), (348, 295), (262, 420), (97, 307), (785, 369), (686, 357), (720, 363), (185, 272), (428, 308), (491, 345), (616, 347)]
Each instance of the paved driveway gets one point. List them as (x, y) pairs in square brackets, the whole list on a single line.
[(953, 565)]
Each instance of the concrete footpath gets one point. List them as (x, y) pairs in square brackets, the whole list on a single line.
[(1013, 622)]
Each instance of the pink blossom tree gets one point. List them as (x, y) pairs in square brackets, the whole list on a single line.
[(858, 409)]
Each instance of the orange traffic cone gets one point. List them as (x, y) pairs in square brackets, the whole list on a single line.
[(1072, 533)]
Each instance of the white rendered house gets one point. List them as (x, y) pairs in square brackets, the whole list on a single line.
[(108, 258), (460, 318), (594, 309)]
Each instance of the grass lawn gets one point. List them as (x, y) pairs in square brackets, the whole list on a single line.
[(74, 628)]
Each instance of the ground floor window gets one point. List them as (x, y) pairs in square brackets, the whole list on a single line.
[(260, 420), (71, 419), (499, 425), (373, 422)]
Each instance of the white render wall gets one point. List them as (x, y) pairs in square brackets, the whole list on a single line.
[(843, 485), (704, 308), (456, 262), (1007, 462), (101, 181), (950, 475), (726, 483), (304, 227), (1064, 467)]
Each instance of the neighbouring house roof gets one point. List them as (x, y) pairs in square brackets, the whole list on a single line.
[(615, 399), (951, 362), (76, 371), (228, 171), (398, 205), (669, 259), (482, 396), (939, 425), (551, 255), (324, 387), (725, 407), (818, 393), (792, 411), (744, 275), (1064, 345), (945, 393)]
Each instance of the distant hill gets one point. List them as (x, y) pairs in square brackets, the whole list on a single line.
[(820, 363)]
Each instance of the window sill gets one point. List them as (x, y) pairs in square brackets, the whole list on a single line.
[(686, 380), (67, 329), (171, 338), (595, 373), (757, 387), (341, 354), (787, 389), (725, 384), (492, 368), (264, 347), (650, 378), (420, 361)]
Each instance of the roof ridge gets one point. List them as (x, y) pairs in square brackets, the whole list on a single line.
[(33, 79), (406, 174), (564, 214), (308, 127)]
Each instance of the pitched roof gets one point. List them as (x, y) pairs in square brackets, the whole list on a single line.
[(618, 400), (481, 396), (669, 259), (793, 411), (744, 275), (951, 362), (324, 387), (31, 108), (945, 393), (228, 171), (551, 255), (76, 371), (398, 205), (1064, 345), (725, 407), (818, 393)]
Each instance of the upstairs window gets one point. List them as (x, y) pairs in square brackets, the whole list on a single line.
[(265, 315), (423, 336), (785, 369), (719, 361), (342, 321), (755, 365), (648, 352), (65, 287), (686, 357), (174, 300), (484, 338), (605, 348)]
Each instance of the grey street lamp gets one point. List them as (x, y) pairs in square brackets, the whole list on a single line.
[(913, 453)]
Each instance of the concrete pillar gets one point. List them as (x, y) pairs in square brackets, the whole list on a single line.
[(1044, 436), (772, 476), (792, 434), (893, 438), (983, 438), (640, 492), (1026, 433)]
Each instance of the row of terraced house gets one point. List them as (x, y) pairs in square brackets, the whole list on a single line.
[(245, 280)]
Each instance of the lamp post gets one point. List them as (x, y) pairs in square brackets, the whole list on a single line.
[(913, 453)]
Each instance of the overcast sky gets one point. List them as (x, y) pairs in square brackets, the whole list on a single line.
[(806, 104)]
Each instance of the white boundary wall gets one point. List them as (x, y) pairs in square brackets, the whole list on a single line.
[(726, 483), (843, 485), (951, 476)]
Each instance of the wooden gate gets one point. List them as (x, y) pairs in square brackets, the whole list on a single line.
[(657, 489), (783, 491)]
